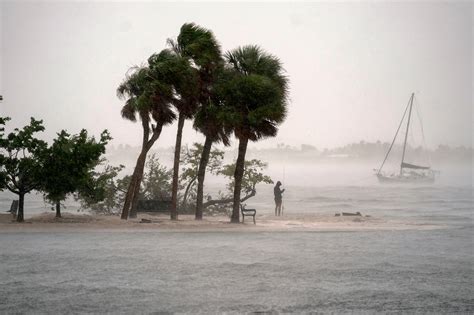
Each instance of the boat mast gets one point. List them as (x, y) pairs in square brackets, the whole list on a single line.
[(406, 134), (394, 137)]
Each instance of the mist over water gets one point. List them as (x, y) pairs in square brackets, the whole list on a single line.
[(329, 187)]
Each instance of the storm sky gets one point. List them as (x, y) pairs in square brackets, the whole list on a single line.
[(352, 66)]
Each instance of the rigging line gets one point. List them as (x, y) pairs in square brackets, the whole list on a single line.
[(420, 119), (395, 137)]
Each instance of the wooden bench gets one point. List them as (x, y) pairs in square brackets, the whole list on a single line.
[(247, 212), (154, 205)]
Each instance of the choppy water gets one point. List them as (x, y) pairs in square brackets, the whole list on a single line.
[(422, 271)]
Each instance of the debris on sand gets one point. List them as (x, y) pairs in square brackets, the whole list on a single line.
[(351, 214), (348, 214)]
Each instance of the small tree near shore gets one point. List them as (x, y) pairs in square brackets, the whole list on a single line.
[(68, 165), (252, 176), (21, 160)]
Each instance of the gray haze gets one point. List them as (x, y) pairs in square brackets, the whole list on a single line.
[(352, 66)]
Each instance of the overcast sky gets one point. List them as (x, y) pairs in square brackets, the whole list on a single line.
[(352, 66)]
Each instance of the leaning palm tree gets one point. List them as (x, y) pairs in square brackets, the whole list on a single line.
[(150, 99), (202, 48), (256, 101)]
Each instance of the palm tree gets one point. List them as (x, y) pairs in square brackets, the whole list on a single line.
[(256, 99), (210, 123), (150, 98), (176, 69), (200, 45)]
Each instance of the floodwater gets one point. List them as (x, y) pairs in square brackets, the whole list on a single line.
[(113, 271)]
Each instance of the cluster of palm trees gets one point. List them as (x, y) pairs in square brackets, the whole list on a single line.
[(242, 92)]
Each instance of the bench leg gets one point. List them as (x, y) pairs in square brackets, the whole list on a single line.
[(254, 219)]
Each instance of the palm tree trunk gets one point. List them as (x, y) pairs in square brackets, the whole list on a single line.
[(201, 174), (131, 198), (177, 153), (21, 205), (239, 173), (128, 198), (186, 192), (130, 191), (58, 209), (140, 167)]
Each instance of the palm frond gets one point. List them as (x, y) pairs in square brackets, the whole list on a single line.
[(128, 111)]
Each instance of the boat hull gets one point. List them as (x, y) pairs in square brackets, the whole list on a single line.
[(397, 179)]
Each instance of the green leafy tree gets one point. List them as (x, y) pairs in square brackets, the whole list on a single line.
[(256, 99), (157, 180), (106, 194), (21, 160), (149, 96), (69, 164), (252, 176), (103, 193)]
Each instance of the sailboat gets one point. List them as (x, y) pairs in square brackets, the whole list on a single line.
[(409, 172)]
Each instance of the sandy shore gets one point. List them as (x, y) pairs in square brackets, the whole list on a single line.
[(186, 223)]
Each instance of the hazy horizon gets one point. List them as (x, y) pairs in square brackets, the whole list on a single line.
[(352, 66)]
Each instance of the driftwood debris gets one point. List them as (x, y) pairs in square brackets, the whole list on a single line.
[(351, 214), (348, 214)]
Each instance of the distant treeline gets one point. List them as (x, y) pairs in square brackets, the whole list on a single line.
[(355, 151)]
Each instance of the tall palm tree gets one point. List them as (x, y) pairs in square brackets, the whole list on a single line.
[(150, 99), (256, 99), (209, 122), (200, 45), (176, 69)]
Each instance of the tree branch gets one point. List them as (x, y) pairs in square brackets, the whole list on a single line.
[(16, 192), (228, 200)]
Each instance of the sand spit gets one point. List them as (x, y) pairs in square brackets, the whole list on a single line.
[(186, 223)]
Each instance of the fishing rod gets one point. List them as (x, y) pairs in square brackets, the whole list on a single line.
[(282, 203)]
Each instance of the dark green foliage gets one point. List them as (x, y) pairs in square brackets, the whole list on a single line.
[(200, 45), (69, 165), (256, 95), (176, 71), (20, 157), (146, 96)]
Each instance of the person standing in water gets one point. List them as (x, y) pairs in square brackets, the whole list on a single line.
[(278, 198)]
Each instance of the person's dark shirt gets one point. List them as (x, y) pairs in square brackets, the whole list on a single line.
[(277, 192)]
